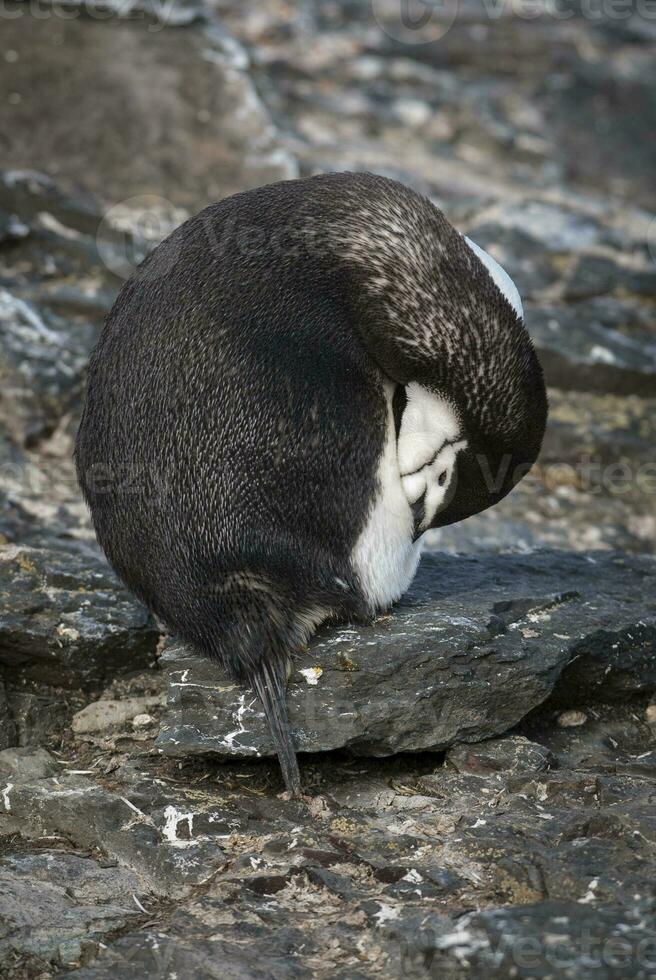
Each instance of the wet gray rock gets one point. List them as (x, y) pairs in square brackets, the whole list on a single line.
[(41, 366), (578, 350), (56, 265), (472, 648), (28, 194), (26, 764), (54, 292), (66, 621), (555, 229), (60, 906), (12, 228), (143, 954), (597, 274), (158, 845)]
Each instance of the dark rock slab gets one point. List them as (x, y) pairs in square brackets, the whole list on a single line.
[(551, 939), (579, 351), (66, 621), (59, 906), (144, 954), (472, 648), (627, 667), (156, 845), (38, 712), (7, 725)]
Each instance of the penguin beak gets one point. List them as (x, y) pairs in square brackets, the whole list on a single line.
[(483, 477), (480, 479), (418, 512)]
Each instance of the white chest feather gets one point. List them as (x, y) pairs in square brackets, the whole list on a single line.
[(385, 557)]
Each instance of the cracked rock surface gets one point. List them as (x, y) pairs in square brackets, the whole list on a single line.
[(412, 866), (66, 621), (533, 834), (473, 646)]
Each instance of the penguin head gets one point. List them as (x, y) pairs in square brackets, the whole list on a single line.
[(482, 473), (451, 470), (444, 322), (467, 437), (499, 436)]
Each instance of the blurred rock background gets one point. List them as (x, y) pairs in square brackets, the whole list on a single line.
[(531, 125)]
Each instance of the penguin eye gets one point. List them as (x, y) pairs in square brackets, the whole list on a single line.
[(442, 478)]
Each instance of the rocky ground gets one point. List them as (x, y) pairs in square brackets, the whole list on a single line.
[(513, 833)]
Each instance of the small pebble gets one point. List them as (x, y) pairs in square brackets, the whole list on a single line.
[(571, 719), (650, 714), (142, 721), (312, 675), (413, 112), (107, 713)]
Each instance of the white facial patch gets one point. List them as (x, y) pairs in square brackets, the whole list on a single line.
[(427, 447), (428, 422), (432, 482), (500, 277)]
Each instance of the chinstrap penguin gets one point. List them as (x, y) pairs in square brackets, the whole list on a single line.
[(293, 387)]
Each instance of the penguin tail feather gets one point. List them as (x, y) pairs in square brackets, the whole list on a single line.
[(269, 681)]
